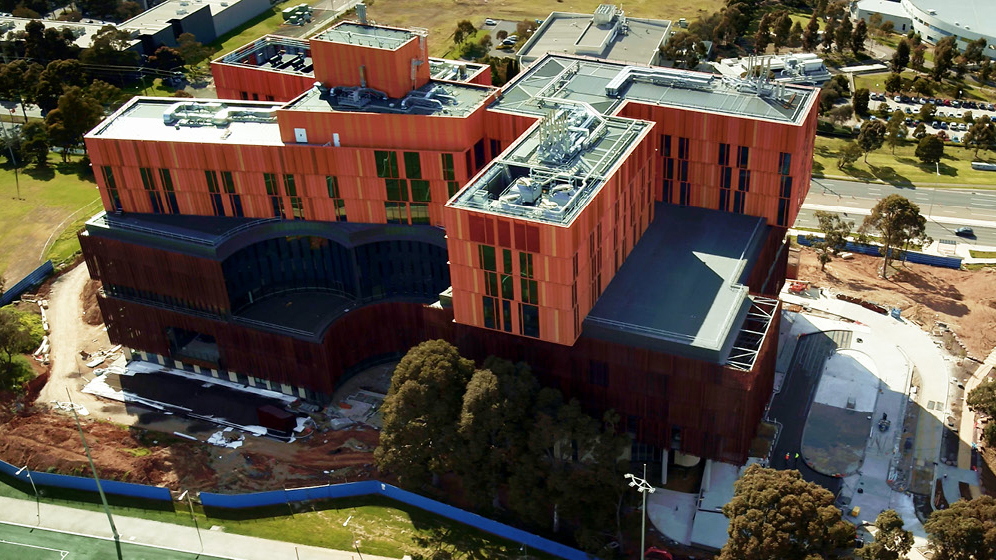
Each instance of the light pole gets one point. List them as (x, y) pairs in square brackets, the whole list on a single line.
[(186, 494), (27, 471), (643, 487), (356, 543)]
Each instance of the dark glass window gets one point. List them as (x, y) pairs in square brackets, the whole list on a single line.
[(743, 183), (236, 201), (109, 177), (724, 199), (228, 181), (726, 177), (333, 185), (491, 284), (529, 320), (489, 312), (147, 181), (784, 163), (297, 207), (667, 145), (452, 187), (217, 205), (397, 189), (290, 185), (786, 187), (387, 164), (420, 191), (396, 212), (506, 315), (683, 194), (479, 154), (738, 201), (783, 211), (278, 206), (448, 172), (212, 181), (526, 265), (743, 154), (724, 154), (420, 213), (270, 179), (486, 255), (413, 165), (530, 291), (506, 261), (682, 148), (340, 210), (495, 148), (166, 179), (507, 287)]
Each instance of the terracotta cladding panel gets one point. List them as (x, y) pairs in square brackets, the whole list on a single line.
[(338, 64), (257, 83)]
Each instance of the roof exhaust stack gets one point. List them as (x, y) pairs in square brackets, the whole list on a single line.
[(361, 13)]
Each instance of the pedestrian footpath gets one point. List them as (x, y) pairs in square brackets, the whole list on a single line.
[(165, 535)]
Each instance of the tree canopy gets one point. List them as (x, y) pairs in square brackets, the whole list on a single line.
[(899, 222), (892, 542), (871, 137), (685, 49), (964, 531), (835, 231), (930, 149), (777, 515)]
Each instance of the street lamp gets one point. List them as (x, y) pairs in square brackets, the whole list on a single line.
[(190, 502), (26, 470), (643, 487)]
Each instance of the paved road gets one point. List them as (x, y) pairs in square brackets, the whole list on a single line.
[(947, 209)]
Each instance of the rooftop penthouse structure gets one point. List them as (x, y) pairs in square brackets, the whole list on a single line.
[(618, 226)]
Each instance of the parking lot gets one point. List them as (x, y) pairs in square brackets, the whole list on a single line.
[(948, 117), (500, 25)]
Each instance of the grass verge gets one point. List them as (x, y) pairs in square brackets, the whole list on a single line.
[(382, 527), (903, 167), (982, 254), (48, 197)]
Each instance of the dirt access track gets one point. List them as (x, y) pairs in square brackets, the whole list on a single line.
[(964, 300), (134, 444)]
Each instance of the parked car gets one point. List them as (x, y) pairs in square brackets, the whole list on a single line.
[(490, 21), (965, 231), (955, 103), (508, 42), (897, 99), (936, 124), (909, 122), (909, 111)]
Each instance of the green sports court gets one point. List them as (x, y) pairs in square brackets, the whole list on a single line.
[(27, 543)]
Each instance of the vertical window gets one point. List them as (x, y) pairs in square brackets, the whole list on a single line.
[(526, 265), (387, 164), (297, 204), (413, 165), (167, 181), (724, 154), (495, 148), (666, 145), (448, 172), (277, 203), (784, 187), (337, 202), (529, 320), (234, 199), (479, 159), (743, 154), (530, 292), (452, 187), (214, 193), (784, 163), (486, 257), (150, 186), (489, 312), (112, 187), (506, 315), (682, 148)]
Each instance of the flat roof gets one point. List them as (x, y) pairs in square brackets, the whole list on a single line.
[(574, 33), (273, 52), (607, 85), (160, 15), (980, 15), (681, 289), (888, 7), (453, 70), (436, 98), (83, 31), (352, 33), (552, 172), (193, 120)]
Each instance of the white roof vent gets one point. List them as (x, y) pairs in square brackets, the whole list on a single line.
[(932, 12)]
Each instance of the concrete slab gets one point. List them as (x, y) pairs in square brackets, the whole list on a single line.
[(849, 376), (672, 513)]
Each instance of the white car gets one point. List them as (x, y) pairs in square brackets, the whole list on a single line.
[(490, 21)]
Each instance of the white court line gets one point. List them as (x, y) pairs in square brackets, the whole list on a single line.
[(63, 553)]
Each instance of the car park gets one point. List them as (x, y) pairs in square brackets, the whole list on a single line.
[(965, 231)]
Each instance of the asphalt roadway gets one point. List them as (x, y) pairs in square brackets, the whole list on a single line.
[(946, 208)]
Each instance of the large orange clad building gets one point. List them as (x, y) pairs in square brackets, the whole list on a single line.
[(621, 228)]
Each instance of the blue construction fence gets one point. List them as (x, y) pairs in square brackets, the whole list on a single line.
[(911, 256), (88, 484), (36, 276), (373, 487)]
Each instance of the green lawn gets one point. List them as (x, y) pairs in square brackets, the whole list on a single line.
[(265, 23), (49, 196), (983, 254), (383, 527), (903, 167)]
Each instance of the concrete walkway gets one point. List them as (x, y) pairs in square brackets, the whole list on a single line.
[(165, 535), (966, 432)]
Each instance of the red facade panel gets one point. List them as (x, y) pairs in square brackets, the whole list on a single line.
[(394, 72)]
